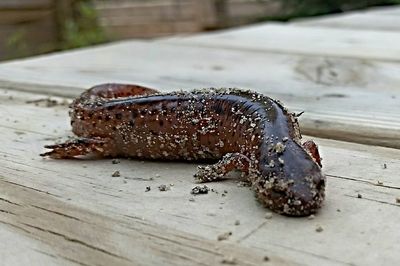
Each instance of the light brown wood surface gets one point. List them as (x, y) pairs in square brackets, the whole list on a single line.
[(53, 201), (359, 20), (341, 97), (69, 212)]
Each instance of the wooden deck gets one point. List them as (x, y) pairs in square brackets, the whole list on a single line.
[(343, 73)]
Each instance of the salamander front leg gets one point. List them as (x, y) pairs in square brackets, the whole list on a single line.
[(80, 147), (312, 149), (217, 171)]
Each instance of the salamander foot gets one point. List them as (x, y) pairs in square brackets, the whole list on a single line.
[(217, 171), (78, 147)]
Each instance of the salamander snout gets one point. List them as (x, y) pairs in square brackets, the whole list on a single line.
[(305, 190), (305, 197), (296, 198)]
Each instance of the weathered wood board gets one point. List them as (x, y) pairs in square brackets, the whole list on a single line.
[(84, 215), (42, 229), (26, 27), (310, 41), (340, 97), (69, 212), (385, 11), (355, 20), (144, 19)]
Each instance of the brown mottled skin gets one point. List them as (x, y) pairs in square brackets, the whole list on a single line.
[(246, 130)]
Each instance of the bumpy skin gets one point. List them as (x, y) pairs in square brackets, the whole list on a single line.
[(248, 130)]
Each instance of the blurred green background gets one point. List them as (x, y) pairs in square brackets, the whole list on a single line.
[(30, 27)]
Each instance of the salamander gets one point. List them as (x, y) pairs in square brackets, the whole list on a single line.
[(243, 129)]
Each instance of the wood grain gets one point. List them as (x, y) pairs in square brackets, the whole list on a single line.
[(74, 210), (145, 19), (385, 11), (301, 40), (341, 97), (354, 20), (26, 28), (69, 212), (28, 4), (64, 234)]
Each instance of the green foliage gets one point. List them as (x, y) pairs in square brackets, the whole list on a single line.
[(77, 27), (82, 28), (16, 44)]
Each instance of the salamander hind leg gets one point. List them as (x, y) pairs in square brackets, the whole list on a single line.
[(80, 147), (217, 171)]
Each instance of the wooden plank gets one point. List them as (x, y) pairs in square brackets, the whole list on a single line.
[(208, 17), (342, 98), (27, 4), (27, 39), (118, 31), (358, 223), (356, 20), (144, 11), (251, 10), (228, 13), (74, 210), (138, 19), (26, 28), (24, 16), (121, 32), (301, 40), (385, 11), (136, 204), (48, 230), (17, 243)]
